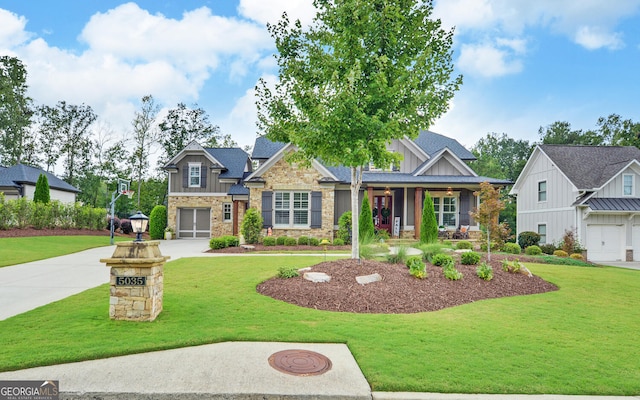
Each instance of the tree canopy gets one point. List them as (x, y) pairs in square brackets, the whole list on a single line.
[(364, 73), (15, 110)]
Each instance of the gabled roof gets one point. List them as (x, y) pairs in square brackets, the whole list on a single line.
[(457, 163), (265, 148), (590, 167), (432, 143), (25, 174), (233, 160)]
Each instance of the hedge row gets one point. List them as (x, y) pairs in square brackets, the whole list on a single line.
[(22, 213)]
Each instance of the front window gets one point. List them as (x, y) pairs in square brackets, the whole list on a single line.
[(291, 209), (226, 212), (628, 185), (542, 231), (542, 191), (194, 174), (446, 210)]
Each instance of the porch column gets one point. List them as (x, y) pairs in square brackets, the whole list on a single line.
[(370, 194), (417, 207), (235, 217)]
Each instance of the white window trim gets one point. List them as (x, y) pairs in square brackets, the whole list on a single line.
[(230, 205), (546, 232), (199, 167), (440, 212), (292, 210), (633, 185), (546, 191)]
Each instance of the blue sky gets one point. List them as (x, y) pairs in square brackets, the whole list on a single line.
[(525, 63)]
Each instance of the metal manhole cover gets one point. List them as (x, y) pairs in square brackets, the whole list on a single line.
[(300, 362)]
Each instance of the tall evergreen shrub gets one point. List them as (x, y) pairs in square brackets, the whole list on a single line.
[(251, 226), (344, 227), (366, 230), (429, 224), (157, 222), (42, 193)]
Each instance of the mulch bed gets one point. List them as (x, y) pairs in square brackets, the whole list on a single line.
[(398, 292), (60, 232), (281, 249)]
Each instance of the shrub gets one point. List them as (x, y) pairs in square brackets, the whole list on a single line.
[(511, 266), (251, 226), (470, 258), (231, 241), (441, 259), (569, 241), (5, 213), (429, 223), (533, 250), (430, 250), (485, 271), (290, 241), (513, 248), (344, 227), (280, 240), (314, 241), (417, 268), (157, 222), (576, 256), (547, 248), (303, 241), (400, 257), (125, 226), (287, 272), (450, 272), (528, 238), (560, 253), (116, 223), (269, 241), (464, 244), (365, 221), (382, 234), (217, 243), (42, 193), (494, 246), (338, 242)]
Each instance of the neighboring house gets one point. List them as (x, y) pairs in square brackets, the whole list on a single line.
[(20, 181), (590, 189), (206, 195), (296, 202)]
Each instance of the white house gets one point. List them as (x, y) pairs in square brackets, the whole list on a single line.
[(20, 181)]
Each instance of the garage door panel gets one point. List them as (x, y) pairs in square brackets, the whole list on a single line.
[(194, 223), (605, 242)]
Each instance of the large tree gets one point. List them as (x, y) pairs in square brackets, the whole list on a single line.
[(500, 156), (145, 135), (364, 73), (15, 111)]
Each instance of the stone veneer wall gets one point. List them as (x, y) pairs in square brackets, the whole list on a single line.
[(136, 303), (218, 227), (285, 176)]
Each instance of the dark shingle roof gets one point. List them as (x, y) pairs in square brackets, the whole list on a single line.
[(432, 143), (614, 204), (233, 159), (265, 148), (589, 167), (238, 189), (20, 174)]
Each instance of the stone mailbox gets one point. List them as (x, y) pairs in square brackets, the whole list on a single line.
[(136, 285)]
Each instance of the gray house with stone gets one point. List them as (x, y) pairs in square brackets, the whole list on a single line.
[(20, 181), (592, 190), (298, 201)]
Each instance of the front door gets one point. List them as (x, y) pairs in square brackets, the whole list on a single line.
[(382, 212)]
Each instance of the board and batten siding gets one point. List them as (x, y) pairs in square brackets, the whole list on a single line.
[(616, 186), (213, 184), (444, 166), (410, 161)]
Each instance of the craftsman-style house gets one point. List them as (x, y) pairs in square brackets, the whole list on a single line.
[(209, 189)]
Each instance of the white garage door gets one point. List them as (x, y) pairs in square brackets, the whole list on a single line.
[(605, 242), (194, 223)]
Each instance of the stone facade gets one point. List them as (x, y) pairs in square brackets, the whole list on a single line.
[(219, 227), (285, 176)]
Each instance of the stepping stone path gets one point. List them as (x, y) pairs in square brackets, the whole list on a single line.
[(316, 277), (363, 280)]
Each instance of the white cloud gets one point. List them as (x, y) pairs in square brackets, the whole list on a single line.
[(464, 14), (271, 11), (487, 60), (12, 29), (592, 39)]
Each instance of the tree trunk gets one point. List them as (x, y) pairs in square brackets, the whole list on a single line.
[(356, 181)]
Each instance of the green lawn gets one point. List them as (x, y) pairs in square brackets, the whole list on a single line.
[(26, 249), (581, 339)]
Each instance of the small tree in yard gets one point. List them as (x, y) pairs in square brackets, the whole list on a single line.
[(429, 223), (487, 214), (366, 228), (363, 74), (157, 222), (251, 226), (42, 193)]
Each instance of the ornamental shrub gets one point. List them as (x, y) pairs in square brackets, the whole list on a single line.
[(157, 222), (429, 223), (366, 230), (441, 259), (290, 241), (512, 248), (280, 240), (450, 272), (560, 253), (125, 226), (417, 268), (484, 271), (548, 248), (217, 243), (528, 238), (303, 241), (269, 241), (464, 244), (533, 251), (315, 242), (344, 227), (399, 257), (116, 223), (251, 226), (336, 242), (42, 193), (577, 256), (287, 272), (231, 241), (470, 258)]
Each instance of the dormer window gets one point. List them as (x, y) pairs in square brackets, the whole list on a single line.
[(194, 174), (627, 182)]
